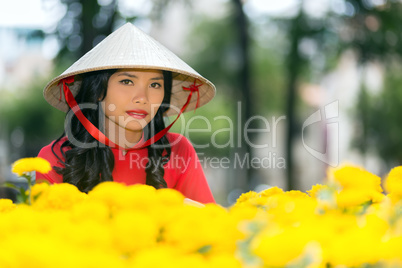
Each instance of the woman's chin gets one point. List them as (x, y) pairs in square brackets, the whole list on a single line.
[(135, 127)]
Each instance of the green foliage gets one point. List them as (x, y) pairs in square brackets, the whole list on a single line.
[(374, 30), (209, 128), (23, 196), (26, 109), (379, 129), (215, 52), (268, 79), (84, 24)]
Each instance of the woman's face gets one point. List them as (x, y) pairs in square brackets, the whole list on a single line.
[(133, 97)]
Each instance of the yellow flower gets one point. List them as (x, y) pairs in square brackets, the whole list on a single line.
[(90, 210), (297, 194), (40, 250), (393, 183), (59, 196), (29, 164), (159, 256), (358, 244), (87, 234), (164, 256), (38, 189), (394, 198), (169, 197), (325, 196), (356, 197), (290, 208), (140, 196), (6, 205), (354, 177), (316, 189), (271, 191), (279, 246), (109, 193), (133, 231), (391, 249), (223, 261), (209, 229), (246, 197), (243, 212)]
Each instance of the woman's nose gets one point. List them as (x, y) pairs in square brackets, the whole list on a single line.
[(140, 95)]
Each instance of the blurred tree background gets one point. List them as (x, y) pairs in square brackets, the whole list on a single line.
[(260, 64)]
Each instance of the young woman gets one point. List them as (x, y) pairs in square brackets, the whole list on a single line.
[(115, 97)]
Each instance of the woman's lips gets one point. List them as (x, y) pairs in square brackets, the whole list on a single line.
[(137, 114)]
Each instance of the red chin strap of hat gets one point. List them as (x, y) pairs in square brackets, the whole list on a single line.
[(99, 136)]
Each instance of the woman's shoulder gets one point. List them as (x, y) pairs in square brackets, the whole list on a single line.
[(47, 151), (179, 142), (177, 138), (173, 137)]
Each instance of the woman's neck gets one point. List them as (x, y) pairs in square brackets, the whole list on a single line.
[(123, 137)]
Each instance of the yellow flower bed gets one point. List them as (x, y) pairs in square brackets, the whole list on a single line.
[(348, 222)]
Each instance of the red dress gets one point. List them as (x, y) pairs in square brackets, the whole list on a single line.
[(183, 172)]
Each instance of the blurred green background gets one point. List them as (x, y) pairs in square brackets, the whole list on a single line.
[(275, 65)]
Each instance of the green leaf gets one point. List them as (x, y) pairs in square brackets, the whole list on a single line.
[(23, 195), (10, 185), (204, 249)]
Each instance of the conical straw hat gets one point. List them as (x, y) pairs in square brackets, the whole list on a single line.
[(129, 47)]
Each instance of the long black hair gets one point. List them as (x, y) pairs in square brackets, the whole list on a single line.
[(86, 166)]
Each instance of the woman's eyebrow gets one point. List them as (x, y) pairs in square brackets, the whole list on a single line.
[(134, 76), (127, 74)]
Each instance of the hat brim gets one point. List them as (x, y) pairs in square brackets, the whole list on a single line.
[(130, 48), (55, 96)]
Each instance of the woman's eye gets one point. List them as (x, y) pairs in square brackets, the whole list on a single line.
[(156, 85), (126, 82)]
